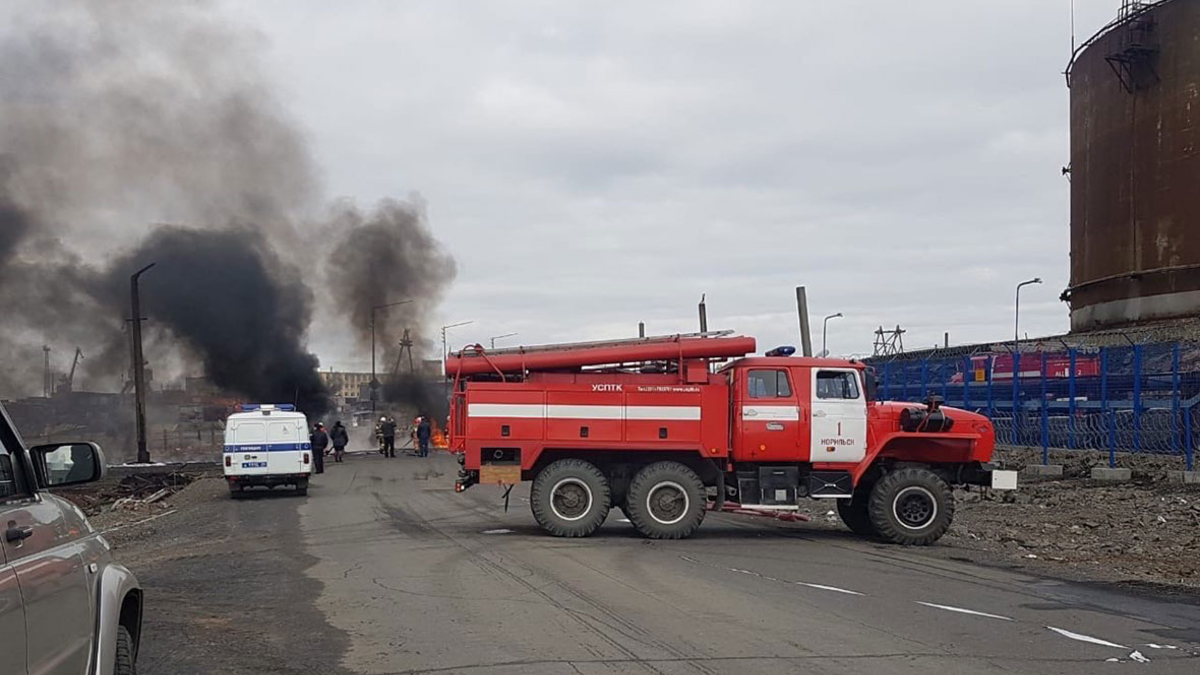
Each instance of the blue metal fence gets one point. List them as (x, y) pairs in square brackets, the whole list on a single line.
[(1136, 398)]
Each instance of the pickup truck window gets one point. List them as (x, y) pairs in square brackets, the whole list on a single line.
[(768, 384), (836, 384), (11, 484)]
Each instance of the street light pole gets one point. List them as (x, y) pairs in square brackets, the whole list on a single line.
[(444, 348), (1017, 312), (139, 365), (824, 330), (493, 340), (375, 384)]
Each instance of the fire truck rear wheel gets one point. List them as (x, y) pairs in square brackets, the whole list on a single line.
[(570, 498), (666, 501), (912, 507)]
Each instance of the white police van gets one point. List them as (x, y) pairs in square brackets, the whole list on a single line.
[(267, 444)]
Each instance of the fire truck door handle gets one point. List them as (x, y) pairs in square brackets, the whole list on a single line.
[(818, 413)]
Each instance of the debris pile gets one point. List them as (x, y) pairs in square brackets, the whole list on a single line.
[(130, 492)]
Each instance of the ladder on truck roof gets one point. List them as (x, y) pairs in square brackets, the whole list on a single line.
[(622, 342), (476, 360)]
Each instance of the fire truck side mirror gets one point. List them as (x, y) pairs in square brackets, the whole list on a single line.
[(871, 384)]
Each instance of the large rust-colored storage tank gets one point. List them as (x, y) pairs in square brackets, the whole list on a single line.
[(1135, 168)]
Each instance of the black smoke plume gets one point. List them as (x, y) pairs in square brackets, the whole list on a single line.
[(383, 257), (240, 309)]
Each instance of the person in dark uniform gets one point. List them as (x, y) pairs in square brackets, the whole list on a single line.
[(424, 430), (387, 429), (340, 440), (320, 441)]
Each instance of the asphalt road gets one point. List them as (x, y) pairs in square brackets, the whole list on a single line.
[(384, 569)]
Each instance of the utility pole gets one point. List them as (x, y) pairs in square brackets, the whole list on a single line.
[(641, 329), (47, 385), (703, 315), (139, 366), (375, 382), (802, 308)]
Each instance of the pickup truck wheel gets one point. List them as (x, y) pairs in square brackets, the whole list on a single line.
[(570, 498), (855, 516), (912, 507), (666, 501), (124, 663)]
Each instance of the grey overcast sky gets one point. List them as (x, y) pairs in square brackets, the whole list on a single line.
[(595, 164)]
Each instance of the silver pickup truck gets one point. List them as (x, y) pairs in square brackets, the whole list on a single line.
[(65, 605)]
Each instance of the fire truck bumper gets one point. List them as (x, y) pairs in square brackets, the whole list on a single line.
[(986, 474)]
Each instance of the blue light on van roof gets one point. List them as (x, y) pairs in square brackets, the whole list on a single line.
[(251, 407), (785, 350)]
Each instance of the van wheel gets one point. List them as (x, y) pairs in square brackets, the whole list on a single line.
[(570, 498), (124, 663), (302, 487), (912, 507), (666, 501), (236, 491)]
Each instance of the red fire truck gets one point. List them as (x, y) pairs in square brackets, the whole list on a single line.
[(667, 428)]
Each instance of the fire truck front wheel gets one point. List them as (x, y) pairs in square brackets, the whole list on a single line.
[(912, 507), (570, 498), (666, 501)]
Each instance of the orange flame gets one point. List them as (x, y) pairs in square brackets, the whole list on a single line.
[(438, 438)]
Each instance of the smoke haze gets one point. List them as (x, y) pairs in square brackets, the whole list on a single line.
[(115, 114)]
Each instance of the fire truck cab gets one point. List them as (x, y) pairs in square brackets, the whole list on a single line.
[(668, 428)]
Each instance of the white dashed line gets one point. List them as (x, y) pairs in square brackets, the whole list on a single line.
[(1154, 646), (1086, 638), (823, 587), (497, 532), (961, 610)]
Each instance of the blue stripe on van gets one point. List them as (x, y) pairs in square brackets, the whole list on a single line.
[(269, 447)]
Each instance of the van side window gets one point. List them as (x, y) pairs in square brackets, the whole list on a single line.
[(768, 384), (836, 384), (11, 483), (250, 432)]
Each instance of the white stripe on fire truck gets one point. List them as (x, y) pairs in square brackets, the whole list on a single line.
[(585, 412)]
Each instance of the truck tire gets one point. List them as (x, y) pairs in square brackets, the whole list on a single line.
[(302, 487), (855, 515), (666, 501), (911, 507), (236, 491), (124, 663), (570, 498)]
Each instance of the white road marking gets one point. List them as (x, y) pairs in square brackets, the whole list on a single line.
[(1112, 659), (962, 610), (753, 574), (823, 587), (1086, 638), (501, 531), (622, 520), (691, 560), (1154, 646), (1137, 656)]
